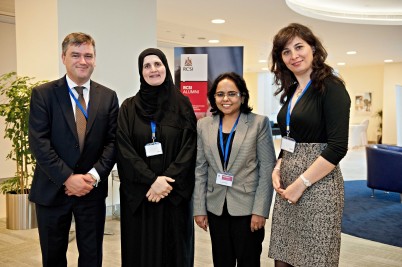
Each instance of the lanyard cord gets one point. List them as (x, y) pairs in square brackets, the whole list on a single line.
[(79, 104), (225, 152), (290, 103), (153, 129)]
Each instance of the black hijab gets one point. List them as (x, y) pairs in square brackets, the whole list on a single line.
[(163, 104)]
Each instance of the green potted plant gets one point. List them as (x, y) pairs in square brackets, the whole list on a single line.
[(16, 92), (378, 114)]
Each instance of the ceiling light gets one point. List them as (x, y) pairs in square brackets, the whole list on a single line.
[(359, 12), (213, 41), (262, 61), (341, 64), (388, 61), (218, 21), (265, 69), (351, 53)]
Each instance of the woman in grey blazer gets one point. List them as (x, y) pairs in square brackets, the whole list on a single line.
[(233, 188)]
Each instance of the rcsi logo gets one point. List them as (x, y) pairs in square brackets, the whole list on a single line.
[(188, 64), (194, 67)]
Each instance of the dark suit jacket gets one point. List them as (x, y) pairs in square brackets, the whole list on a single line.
[(53, 140)]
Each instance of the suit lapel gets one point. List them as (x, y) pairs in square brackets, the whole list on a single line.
[(94, 100), (241, 131), (63, 96), (213, 135)]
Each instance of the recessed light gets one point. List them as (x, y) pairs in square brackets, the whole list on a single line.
[(264, 68), (388, 61), (262, 61), (341, 64), (218, 21), (213, 41), (351, 53)]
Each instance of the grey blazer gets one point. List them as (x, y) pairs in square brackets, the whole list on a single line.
[(251, 161)]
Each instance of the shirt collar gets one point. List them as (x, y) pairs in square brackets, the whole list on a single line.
[(72, 84)]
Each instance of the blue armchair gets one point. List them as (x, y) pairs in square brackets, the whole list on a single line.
[(275, 130), (384, 168)]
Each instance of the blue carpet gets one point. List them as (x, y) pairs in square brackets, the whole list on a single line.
[(378, 219)]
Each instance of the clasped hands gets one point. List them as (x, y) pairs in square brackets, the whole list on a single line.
[(160, 189), (78, 185), (292, 193)]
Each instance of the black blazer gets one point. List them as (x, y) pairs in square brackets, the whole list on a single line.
[(53, 140)]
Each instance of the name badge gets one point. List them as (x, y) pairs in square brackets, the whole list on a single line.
[(288, 144), (224, 179), (153, 149)]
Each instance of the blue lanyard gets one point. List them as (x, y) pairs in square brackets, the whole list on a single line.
[(153, 129), (225, 152), (290, 103), (79, 104)]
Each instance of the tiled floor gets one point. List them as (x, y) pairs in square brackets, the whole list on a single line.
[(21, 248)]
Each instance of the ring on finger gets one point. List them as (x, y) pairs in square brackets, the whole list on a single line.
[(290, 202)]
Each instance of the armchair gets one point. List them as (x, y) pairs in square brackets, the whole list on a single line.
[(358, 134), (384, 168), (275, 129)]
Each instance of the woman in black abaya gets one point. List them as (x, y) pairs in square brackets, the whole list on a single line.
[(157, 175)]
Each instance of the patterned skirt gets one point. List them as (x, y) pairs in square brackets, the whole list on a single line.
[(308, 233)]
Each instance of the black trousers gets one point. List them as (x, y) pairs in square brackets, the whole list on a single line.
[(54, 225), (232, 240)]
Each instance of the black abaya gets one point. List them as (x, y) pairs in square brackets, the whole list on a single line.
[(155, 234)]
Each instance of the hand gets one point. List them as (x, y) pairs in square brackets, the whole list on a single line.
[(257, 222), (161, 185), (78, 185), (202, 222), (276, 181), (89, 179), (153, 197), (294, 191)]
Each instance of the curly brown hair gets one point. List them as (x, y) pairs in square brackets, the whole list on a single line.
[(283, 77)]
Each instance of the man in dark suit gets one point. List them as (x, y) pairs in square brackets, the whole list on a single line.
[(72, 127)]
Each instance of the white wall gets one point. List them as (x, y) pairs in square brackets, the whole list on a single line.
[(8, 63), (121, 31), (392, 77), (7, 48), (251, 79), (36, 35), (360, 80)]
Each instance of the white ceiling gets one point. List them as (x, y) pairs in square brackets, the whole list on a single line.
[(253, 24)]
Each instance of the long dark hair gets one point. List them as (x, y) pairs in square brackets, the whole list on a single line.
[(283, 77), (240, 84)]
